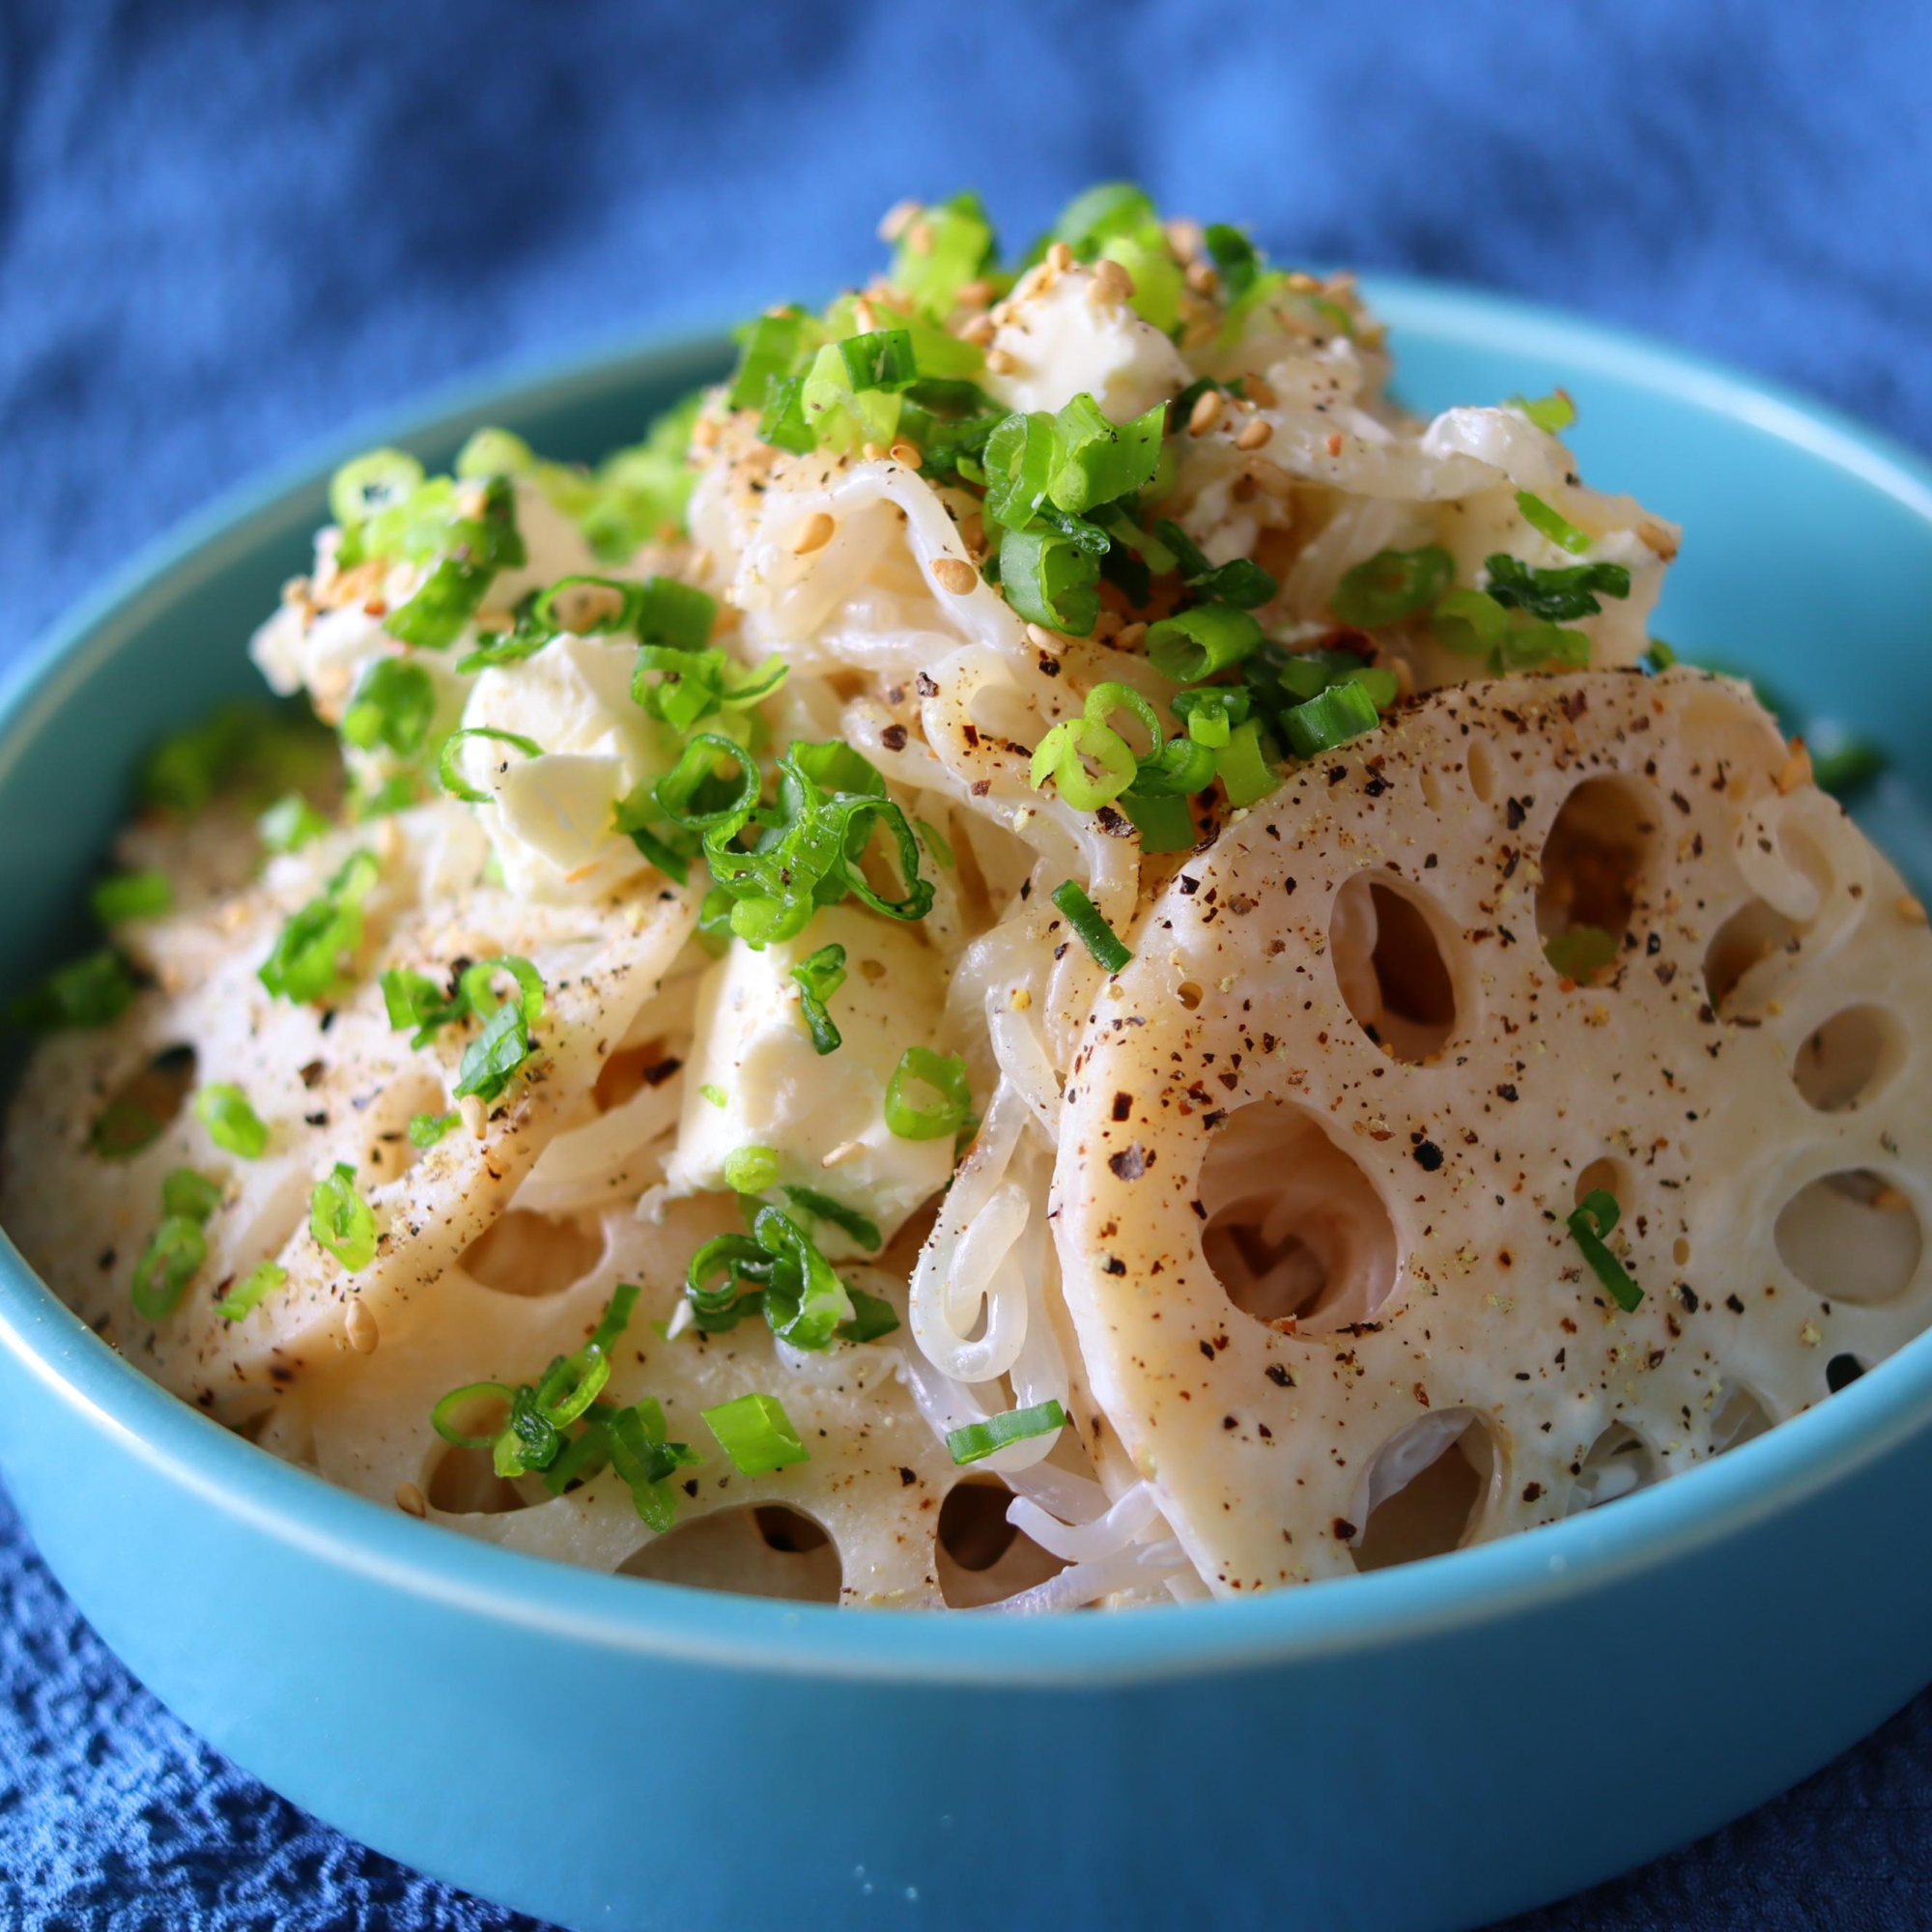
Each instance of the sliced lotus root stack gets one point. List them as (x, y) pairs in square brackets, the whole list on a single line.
[(860, 1522), (1326, 1131), (334, 1084)]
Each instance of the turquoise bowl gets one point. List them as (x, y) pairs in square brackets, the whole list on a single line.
[(1431, 1747)]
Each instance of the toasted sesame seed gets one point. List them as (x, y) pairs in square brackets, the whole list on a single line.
[(1202, 278), (953, 574), (908, 454), (919, 237), (1111, 281), (1000, 363), (1795, 770), (359, 1326), (409, 1499), (844, 1151), (1259, 392), (1205, 412), (864, 315), (973, 532), (1655, 537), (1911, 910), (1889, 1200), (1041, 638), (1185, 238), (1060, 258), (975, 295), (980, 331), (1130, 636), (874, 452), (1255, 433), (476, 1116), (815, 535), (1270, 477), (897, 219), (704, 433)]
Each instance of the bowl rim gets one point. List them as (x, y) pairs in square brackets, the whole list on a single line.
[(1333, 1619)]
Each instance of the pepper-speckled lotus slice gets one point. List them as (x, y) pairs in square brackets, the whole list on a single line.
[(874, 1482), (334, 1084), (1326, 1133)]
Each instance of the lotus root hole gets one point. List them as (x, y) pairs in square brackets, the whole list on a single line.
[(1485, 776), (1608, 1176), (1617, 1463), (1841, 1372), (1389, 963), (1850, 1237), (760, 1549), (1847, 1059), (145, 1103), (981, 1556), (1593, 865), (534, 1254), (464, 1483), (1752, 935), (1741, 1418), (1296, 1231), (1426, 1488)]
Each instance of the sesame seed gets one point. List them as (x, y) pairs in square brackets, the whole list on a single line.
[(844, 1151), (975, 295), (1911, 910), (705, 432), (874, 452), (1130, 636), (1258, 392), (815, 535), (1111, 281), (1000, 363), (918, 238), (1202, 278), (359, 1326), (897, 219), (980, 331), (1060, 258), (1655, 536), (476, 1116), (1795, 770), (1041, 638), (1185, 239), (955, 573), (1205, 412), (908, 454), (1255, 433), (1270, 477), (409, 1499)]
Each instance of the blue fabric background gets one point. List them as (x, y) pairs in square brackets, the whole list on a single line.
[(226, 229)]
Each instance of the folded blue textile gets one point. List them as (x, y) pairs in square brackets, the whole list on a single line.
[(226, 229)]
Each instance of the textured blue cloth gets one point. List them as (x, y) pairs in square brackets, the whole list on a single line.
[(225, 229)]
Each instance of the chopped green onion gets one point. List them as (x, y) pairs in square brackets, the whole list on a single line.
[(572, 1384), (584, 605), (125, 896), (166, 1267), (454, 1417), (978, 1441), (1848, 766), (1094, 461), (92, 991), (187, 1193), (1552, 413), (1050, 580), (1392, 584), (751, 1170), (232, 1124), (771, 346), (1162, 819), (645, 1461), (930, 838), (380, 480), (783, 422), (1193, 644), (340, 1219), (494, 452), (392, 704), (817, 977), (715, 1094), (426, 1130), (1062, 756), (453, 781), (311, 955), (1590, 1227), (804, 1299), (861, 1228), (1090, 928), (1246, 773), (1342, 712), (757, 1433), (616, 1316), (676, 614), (1240, 581), (1018, 457), (1659, 656), (1558, 595), (1553, 524), (1581, 951), (415, 1001), (261, 750), (695, 779), (495, 1053), (1469, 622), (289, 823), (844, 412), (262, 1280), (946, 1075), (1235, 258), (873, 1316), (941, 249), (880, 360)]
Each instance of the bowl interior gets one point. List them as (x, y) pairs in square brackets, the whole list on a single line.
[(1808, 558)]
